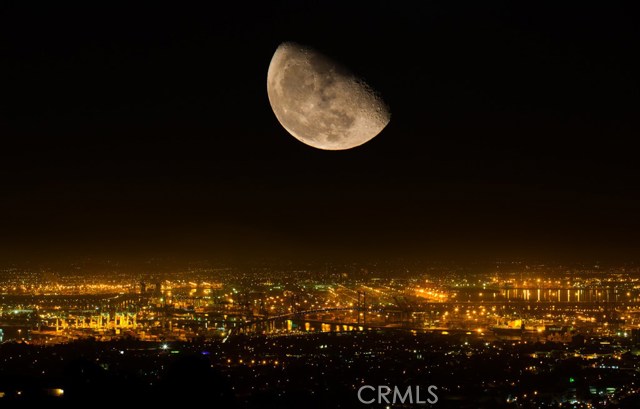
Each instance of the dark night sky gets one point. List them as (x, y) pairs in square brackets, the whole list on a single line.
[(147, 131)]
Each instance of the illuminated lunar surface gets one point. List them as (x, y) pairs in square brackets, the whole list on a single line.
[(320, 103)]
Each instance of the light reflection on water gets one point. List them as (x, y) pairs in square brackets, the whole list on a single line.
[(558, 295)]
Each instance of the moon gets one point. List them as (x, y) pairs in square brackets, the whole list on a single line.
[(321, 103)]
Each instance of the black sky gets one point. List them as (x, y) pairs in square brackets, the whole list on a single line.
[(146, 130)]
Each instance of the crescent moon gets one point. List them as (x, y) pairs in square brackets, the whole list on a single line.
[(321, 103)]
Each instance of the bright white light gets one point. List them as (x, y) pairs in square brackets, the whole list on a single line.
[(165, 346)]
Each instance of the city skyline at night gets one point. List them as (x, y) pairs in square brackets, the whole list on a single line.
[(537, 334)]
